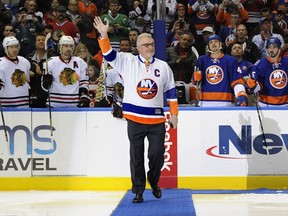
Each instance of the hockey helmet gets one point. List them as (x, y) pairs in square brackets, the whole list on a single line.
[(274, 40), (66, 40), (213, 37), (9, 41)]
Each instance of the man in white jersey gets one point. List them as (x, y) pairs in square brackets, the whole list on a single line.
[(14, 75), (146, 80), (66, 77)]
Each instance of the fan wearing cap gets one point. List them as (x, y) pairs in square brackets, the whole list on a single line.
[(220, 78), (270, 76), (62, 24), (265, 33), (66, 77), (14, 75)]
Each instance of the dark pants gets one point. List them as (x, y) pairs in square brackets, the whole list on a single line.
[(155, 134)]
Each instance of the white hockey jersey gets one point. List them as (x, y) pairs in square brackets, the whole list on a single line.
[(145, 88), (69, 77), (114, 84), (15, 76)]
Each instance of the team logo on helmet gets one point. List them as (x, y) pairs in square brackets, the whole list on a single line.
[(278, 79), (214, 74), (147, 88), (68, 77), (18, 78), (275, 41)]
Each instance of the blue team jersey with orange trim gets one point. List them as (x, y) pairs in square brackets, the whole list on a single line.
[(219, 78), (273, 80)]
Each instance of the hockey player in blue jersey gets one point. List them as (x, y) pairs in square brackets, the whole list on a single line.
[(269, 76), (220, 77)]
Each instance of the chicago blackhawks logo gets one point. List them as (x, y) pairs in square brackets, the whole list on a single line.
[(278, 79), (214, 74), (68, 77), (147, 89), (18, 78)]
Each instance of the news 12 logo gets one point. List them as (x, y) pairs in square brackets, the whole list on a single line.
[(12, 132), (244, 145)]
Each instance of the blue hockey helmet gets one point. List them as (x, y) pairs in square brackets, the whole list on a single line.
[(273, 40), (213, 37)]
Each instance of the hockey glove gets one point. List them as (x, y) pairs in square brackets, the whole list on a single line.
[(84, 101), (197, 76), (242, 99), (173, 121), (47, 81), (253, 85), (117, 111)]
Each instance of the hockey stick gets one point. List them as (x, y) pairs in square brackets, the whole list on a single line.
[(49, 99), (4, 125)]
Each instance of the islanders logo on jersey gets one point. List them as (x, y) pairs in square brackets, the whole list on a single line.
[(18, 78), (214, 74), (203, 12), (147, 88), (68, 77), (278, 79)]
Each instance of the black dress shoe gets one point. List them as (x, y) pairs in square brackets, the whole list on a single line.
[(138, 198), (156, 191)]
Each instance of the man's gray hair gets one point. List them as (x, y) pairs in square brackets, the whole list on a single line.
[(141, 36)]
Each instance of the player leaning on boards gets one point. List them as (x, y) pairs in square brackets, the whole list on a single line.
[(220, 76), (14, 75), (269, 76), (145, 84), (66, 78)]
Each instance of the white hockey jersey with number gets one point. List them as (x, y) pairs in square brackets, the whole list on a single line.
[(69, 76), (15, 75)]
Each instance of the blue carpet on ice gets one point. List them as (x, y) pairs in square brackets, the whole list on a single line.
[(174, 202)]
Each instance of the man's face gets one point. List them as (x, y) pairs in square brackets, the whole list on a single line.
[(181, 12), (146, 47), (31, 6), (61, 15), (133, 37), (73, 6), (214, 45), (273, 50), (241, 31), (235, 19), (114, 8), (266, 25), (237, 50), (185, 41), (13, 51), (66, 51), (125, 46), (40, 42)]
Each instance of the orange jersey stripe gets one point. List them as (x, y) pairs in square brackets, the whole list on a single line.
[(238, 81), (144, 120), (273, 99), (218, 96)]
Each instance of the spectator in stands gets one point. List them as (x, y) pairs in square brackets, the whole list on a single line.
[(180, 24), (181, 58), (73, 13), (119, 24), (138, 16), (200, 42), (133, 35), (88, 11), (51, 16), (168, 13), (265, 33), (219, 77), (203, 14), (8, 31), (52, 44), (251, 52), (125, 45), (5, 16), (281, 18), (63, 26), (82, 51), (227, 33), (26, 28), (226, 9)]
